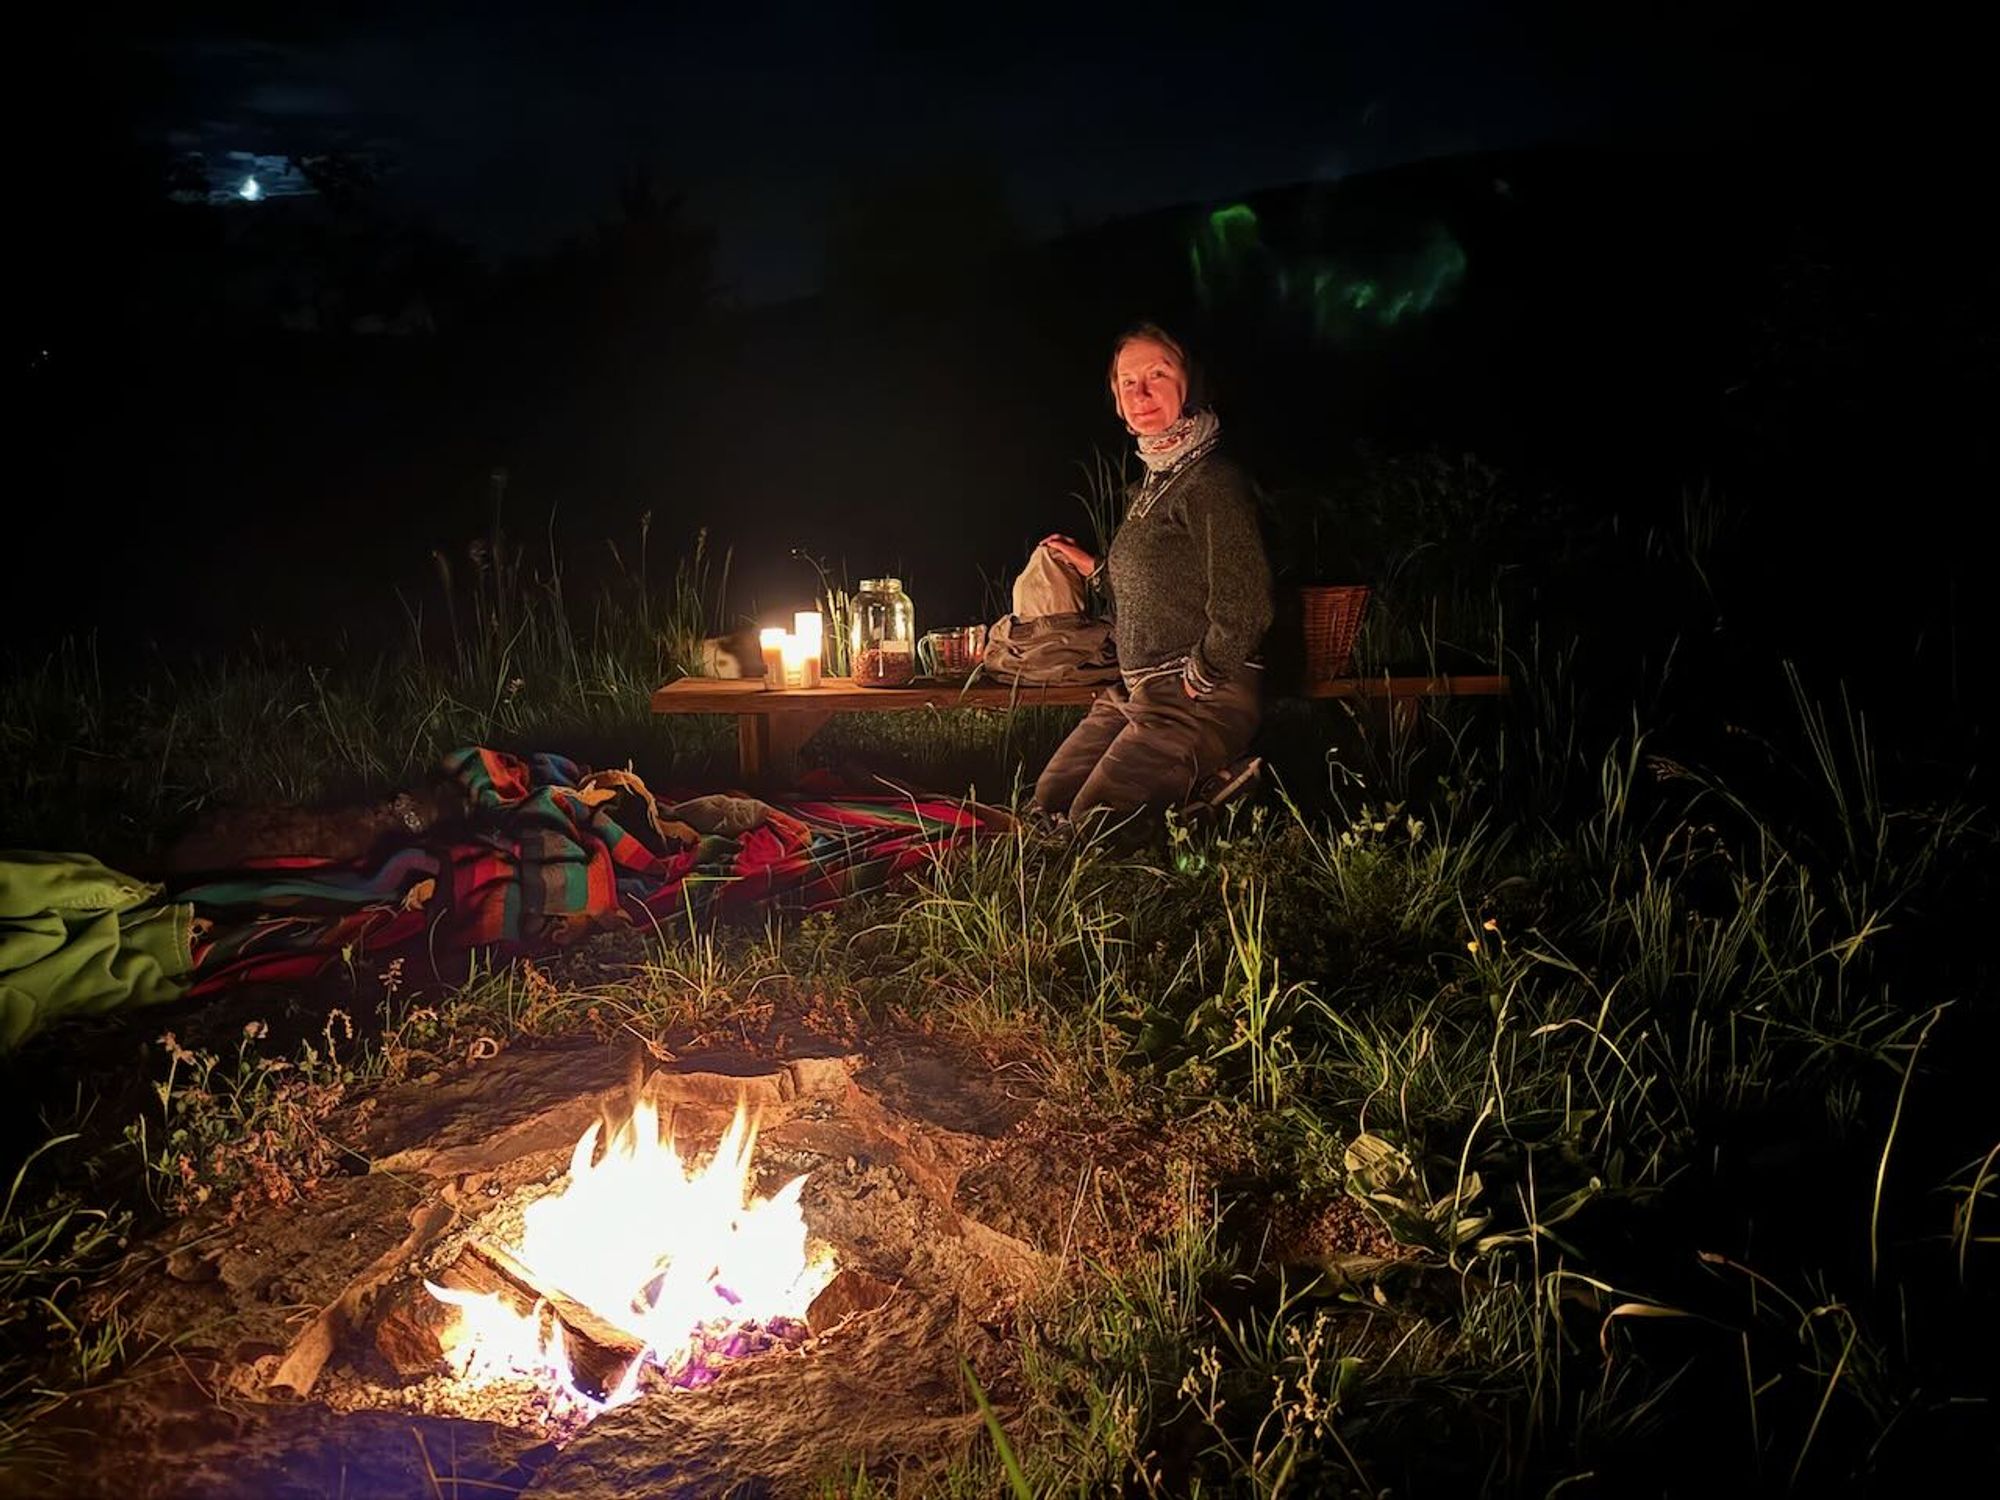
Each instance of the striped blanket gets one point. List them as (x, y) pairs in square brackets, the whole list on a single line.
[(549, 851)]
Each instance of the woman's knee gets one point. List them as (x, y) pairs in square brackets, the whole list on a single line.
[(1079, 755), (1056, 788), (1066, 775), (1141, 773)]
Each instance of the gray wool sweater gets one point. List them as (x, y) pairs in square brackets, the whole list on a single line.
[(1190, 586)]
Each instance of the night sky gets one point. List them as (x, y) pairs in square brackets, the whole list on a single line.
[(511, 123), (509, 126)]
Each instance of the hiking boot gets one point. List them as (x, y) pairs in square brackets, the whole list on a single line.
[(1038, 823), (1227, 784)]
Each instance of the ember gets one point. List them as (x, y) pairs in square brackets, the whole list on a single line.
[(637, 1263)]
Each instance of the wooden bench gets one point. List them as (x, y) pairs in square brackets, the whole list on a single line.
[(773, 723)]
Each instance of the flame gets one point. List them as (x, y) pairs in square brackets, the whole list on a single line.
[(667, 1254)]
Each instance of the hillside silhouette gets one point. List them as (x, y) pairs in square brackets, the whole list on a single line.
[(276, 423)]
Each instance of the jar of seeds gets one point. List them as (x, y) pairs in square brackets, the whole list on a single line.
[(882, 634)]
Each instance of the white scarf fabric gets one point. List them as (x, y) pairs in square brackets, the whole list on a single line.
[(1193, 435)]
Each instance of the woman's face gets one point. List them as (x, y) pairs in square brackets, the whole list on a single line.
[(1151, 386)]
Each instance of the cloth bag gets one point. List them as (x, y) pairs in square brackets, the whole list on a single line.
[(1050, 637), (78, 938)]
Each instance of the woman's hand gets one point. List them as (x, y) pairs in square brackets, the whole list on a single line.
[(1067, 549)]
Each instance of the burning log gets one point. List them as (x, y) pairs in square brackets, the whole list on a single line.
[(599, 1353), (410, 1333), (636, 1259)]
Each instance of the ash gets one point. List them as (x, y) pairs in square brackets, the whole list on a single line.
[(529, 1404)]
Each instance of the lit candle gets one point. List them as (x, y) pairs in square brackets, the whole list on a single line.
[(794, 655), (806, 626), (772, 639)]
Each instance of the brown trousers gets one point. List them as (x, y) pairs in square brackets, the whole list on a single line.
[(1150, 746)]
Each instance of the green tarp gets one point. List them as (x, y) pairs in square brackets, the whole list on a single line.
[(78, 938)]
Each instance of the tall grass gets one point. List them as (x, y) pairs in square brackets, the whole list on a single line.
[(1663, 1079), (53, 1239), (1530, 1040), (504, 652)]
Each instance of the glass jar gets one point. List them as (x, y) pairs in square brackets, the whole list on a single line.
[(882, 634)]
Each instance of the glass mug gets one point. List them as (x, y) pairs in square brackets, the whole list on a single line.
[(952, 653)]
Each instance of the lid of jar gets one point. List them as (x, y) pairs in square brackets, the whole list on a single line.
[(881, 585)]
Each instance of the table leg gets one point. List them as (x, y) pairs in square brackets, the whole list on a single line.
[(753, 746), (768, 744), (787, 736)]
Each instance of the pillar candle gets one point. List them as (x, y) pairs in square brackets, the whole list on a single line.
[(806, 626), (772, 640), (793, 653)]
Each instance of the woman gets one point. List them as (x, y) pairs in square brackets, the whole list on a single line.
[(1190, 597)]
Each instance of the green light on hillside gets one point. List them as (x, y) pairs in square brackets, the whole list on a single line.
[(1332, 298), (1222, 247), (1236, 222)]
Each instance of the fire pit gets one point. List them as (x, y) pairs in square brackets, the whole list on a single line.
[(563, 1281)]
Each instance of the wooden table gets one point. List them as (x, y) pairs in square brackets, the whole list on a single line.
[(773, 723)]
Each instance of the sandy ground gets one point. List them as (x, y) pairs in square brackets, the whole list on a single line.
[(924, 1171)]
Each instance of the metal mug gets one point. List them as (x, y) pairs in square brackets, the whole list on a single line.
[(951, 653)]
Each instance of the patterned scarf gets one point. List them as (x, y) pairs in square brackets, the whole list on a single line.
[(1193, 435)]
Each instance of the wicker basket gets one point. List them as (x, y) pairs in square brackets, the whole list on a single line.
[(1332, 618)]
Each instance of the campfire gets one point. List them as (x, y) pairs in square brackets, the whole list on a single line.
[(639, 1269), (557, 1269)]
